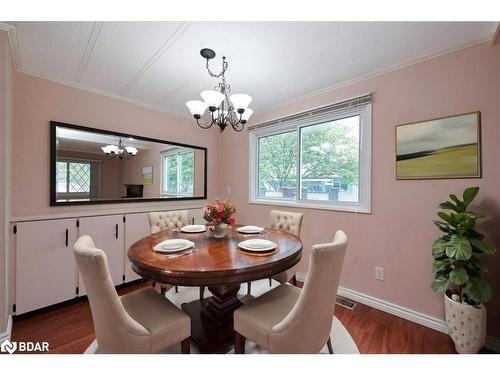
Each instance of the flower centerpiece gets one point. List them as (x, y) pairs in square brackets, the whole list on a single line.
[(219, 215)]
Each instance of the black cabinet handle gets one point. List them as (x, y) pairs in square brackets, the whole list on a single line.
[(67, 237), (116, 231)]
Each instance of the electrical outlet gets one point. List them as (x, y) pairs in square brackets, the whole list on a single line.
[(229, 189), (379, 273)]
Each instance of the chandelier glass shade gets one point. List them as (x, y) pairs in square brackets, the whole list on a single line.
[(119, 151), (223, 110)]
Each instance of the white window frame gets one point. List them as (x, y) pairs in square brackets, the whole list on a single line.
[(67, 160), (365, 144), (178, 152)]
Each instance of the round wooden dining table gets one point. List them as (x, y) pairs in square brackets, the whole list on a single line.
[(218, 264)]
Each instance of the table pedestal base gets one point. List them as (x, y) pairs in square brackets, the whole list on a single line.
[(212, 319)]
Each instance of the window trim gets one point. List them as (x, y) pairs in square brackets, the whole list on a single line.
[(365, 186), (75, 195), (174, 151)]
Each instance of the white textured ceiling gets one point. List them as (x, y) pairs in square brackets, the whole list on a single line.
[(158, 63)]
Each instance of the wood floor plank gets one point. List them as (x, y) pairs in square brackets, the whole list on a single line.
[(69, 329)]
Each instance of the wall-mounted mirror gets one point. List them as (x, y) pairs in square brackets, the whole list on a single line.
[(94, 166)]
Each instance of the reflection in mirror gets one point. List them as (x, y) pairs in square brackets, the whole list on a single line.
[(95, 166)]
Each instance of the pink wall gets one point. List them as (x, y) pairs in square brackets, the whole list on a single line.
[(398, 234), (37, 101), (131, 172)]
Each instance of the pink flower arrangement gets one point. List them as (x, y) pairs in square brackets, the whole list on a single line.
[(220, 212)]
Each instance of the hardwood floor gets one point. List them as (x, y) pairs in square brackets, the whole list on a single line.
[(377, 332), (69, 329)]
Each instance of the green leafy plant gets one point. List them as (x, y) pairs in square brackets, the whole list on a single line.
[(456, 266)]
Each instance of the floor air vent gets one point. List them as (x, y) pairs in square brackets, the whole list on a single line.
[(347, 303)]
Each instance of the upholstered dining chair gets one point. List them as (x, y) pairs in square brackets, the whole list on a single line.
[(169, 220), (287, 319), (290, 222), (138, 322)]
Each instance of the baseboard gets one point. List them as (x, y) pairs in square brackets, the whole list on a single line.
[(7, 334), (492, 343), (393, 309)]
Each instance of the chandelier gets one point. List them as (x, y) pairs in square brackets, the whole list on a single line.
[(223, 111), (120, 151)]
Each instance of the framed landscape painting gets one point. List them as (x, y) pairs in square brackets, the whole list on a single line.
[(147, 175), (448, 147)]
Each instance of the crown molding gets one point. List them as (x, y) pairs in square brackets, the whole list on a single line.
[(373, 74), (5, 26), (92, 90), (495, 37), (13, 42)]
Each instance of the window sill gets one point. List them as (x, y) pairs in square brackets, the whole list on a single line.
[(315, 206)]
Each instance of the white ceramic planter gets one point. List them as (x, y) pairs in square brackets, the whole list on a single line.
[(466, 325), (220, 230)]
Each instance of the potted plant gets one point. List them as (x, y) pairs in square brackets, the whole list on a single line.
[(219, 215), (458, 272)]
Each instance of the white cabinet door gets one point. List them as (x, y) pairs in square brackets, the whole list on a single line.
[(136, 227), (45, 265), (107, 233)]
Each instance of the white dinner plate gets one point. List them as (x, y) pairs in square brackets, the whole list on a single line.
[(250, 229), (173, 245), (193, 228), (257, 245)]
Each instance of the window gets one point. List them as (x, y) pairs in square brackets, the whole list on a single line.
[(319, 161), (73, 177), (178, 172), (78, 179)]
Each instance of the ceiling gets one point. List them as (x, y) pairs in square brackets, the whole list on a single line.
[(85, 141), (89, 141), (158, 63)]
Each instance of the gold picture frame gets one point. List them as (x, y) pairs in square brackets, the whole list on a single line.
[(440, 148)]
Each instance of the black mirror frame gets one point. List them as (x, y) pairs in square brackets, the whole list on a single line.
[(53, 149)]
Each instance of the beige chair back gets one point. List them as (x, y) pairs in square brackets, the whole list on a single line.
[(307, 327), (288, 221), (168, 220), (115, 330)]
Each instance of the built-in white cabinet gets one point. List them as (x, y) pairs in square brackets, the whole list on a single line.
[(45, 266), (136, 227), (108, 235)]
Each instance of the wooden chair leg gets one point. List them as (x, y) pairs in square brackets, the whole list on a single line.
[(185, 346), (329, 344), (239, 343), (249, 288), (163, 290), (294, 280), (202, 292), (270, 282), (176, 289)]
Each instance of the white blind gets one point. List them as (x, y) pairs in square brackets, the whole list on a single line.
[(318, 113)]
